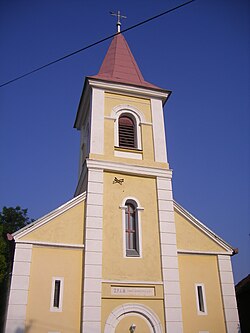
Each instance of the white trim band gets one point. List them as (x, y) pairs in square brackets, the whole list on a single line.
[(202, 252), (128, 168), (76, 246)]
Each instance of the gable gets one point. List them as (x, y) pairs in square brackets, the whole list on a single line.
[(192, 235), (65, 225)]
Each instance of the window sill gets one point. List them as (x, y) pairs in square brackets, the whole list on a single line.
[(132, 254), (129, 150)]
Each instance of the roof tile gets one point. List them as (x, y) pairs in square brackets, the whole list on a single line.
[(119, 65)]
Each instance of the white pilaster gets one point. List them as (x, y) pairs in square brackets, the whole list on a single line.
[(228, 294), (18, 298), (169, 259), (91, 318), (158, 131), (97, 122)]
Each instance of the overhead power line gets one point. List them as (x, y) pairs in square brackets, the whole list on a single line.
[(95, 43)]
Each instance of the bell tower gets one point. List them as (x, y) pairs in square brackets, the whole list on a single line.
[(131, 274)]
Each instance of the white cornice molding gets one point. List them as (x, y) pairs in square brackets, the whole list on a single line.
[(128, 168), (51, 244), (130, 89), (48, 217), (230, 250), (200, 252)]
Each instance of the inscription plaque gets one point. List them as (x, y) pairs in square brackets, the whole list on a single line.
[(133, 291)]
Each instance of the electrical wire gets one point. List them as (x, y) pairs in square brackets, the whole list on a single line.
[(96, 43)]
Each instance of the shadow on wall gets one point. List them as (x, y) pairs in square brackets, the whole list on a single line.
[(39, 325), (23, 330)]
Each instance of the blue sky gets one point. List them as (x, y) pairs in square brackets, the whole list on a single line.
[(200, 52)]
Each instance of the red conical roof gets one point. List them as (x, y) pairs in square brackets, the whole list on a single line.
[(119, 65)]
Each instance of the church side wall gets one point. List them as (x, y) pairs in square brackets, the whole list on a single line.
[(48, 264), (201, 270)]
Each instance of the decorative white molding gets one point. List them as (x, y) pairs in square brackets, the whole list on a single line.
[(48, 217), (228, 294), (52, 307), (130, 89), (138, 209), (16, 314), (169, 260), (199, 312), (66, 245), (160, 150), (91, 313), (97, 122), (131, 309), (137, 115), (128, 168), (127, 108), (202, 252)]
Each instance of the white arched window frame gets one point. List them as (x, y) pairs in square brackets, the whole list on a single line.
[(132, 112), (137, 252)]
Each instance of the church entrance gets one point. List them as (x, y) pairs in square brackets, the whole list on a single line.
[(133, 318)]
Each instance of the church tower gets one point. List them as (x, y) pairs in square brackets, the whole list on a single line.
[(121, 256), (130, 242)]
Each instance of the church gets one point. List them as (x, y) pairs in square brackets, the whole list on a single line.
[(122, 255)]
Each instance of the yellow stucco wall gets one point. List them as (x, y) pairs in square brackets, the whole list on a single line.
[(143, 105), (60, 262), (112, 100), (115, 265), (201, 269), (65, 228), (189, 237), (46, 264)]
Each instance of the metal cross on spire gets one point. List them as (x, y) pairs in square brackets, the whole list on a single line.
[(119, 17)]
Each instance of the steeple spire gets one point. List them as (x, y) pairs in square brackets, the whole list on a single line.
[(119, 17), (119, 65)]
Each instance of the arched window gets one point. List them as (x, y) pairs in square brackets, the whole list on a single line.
[(127, 131), (131, 229)]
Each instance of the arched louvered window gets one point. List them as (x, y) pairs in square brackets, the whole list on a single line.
[(131, 229), (127, 131)]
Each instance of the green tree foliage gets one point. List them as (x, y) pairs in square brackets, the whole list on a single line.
[(11, 220), (3, 252)]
